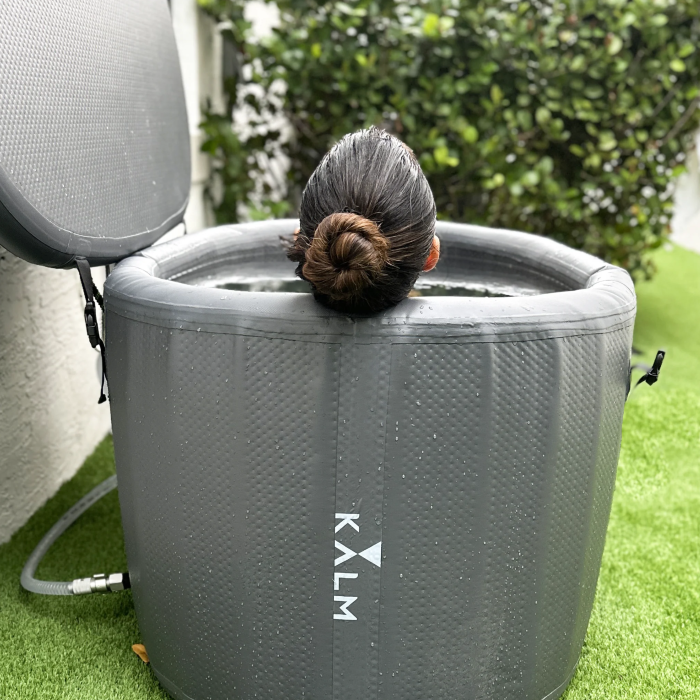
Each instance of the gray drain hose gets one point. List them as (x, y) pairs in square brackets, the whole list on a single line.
[(95, 584)]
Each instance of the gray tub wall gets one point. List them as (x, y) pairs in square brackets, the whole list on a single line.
[(477, 439), (229, 455)]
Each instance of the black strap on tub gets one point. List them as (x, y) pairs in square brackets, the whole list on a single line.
[(651, 375), (92, 294)]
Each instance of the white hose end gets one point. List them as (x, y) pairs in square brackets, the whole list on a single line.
[(81, 586)]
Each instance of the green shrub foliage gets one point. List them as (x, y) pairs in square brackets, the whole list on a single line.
[(568, 119)]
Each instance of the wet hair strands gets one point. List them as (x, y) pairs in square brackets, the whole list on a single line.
[(367, 222)]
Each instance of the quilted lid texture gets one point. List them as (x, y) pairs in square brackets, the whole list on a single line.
[(94, 144)]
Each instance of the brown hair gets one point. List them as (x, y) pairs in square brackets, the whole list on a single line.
[(367, 221)]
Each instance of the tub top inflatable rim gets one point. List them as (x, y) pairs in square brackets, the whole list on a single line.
[(596, 297)]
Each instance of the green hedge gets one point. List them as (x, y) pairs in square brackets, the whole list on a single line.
[(568, 119)]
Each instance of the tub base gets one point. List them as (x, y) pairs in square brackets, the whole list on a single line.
[(179, 694)]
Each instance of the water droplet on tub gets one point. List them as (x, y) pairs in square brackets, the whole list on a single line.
[(434, 436), (417, 403)]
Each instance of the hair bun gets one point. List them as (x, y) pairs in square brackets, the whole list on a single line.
[(346, 254)]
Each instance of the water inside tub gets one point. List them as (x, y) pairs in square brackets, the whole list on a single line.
[(422, 288)]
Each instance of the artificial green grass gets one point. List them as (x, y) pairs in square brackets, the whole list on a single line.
[(71, 648), (644, 636)]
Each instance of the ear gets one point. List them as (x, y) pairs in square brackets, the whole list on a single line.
[(434, 256)]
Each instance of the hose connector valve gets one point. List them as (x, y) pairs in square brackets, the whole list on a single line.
[(99, 583)]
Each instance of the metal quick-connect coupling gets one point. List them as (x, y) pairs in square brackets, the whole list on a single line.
[(99, 583)]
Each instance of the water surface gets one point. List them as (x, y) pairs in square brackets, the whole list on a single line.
[(422, 289)]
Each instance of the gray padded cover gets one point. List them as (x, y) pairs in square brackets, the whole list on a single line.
[(94, 144), (266, 446)]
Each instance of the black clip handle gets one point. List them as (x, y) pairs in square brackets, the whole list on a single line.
[(91, 324), (652, 373), (91, 294), (652, 376)]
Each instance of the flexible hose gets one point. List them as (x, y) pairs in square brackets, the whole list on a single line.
[(67, 519)]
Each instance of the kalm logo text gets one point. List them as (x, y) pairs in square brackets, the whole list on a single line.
[(372, 554)]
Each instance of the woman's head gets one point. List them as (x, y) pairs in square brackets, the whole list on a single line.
[(367, 224)]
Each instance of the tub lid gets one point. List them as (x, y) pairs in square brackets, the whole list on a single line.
[(94, 142)]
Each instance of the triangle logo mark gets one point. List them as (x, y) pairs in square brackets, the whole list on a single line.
[(373, 554)]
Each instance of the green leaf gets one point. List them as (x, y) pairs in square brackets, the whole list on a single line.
[(546, 165), (530, 178), (524, 119), (607, 141), (496, 94), (677, 65), (565, 36), (442, 157), (578, 64), (431, 25), (446, 23), (613, 43), (316, 50), (470, 134), (496, 181), (543, 115), (678, 170), (593, 92)]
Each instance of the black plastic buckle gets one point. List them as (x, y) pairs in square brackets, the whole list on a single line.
[(91, 293), (91, 323), (652, 375)]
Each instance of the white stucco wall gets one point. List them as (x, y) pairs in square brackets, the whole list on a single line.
[(49, 417), (685, 224), (199, 48)]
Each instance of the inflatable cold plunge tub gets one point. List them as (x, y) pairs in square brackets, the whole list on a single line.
[(406, 506)]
